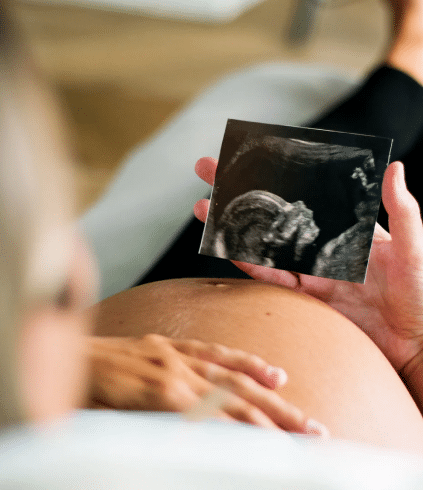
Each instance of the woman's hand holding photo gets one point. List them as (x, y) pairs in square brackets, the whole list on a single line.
[(388, 307)]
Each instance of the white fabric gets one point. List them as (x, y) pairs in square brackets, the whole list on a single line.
[(192, 10), (154, 192), (112, 450)]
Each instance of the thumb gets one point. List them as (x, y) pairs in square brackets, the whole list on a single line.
[(201, 209), (405, 222)]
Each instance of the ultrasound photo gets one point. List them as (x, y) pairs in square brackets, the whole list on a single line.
[(298, 199)]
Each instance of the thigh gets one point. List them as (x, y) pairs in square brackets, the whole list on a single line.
[(336, 373)]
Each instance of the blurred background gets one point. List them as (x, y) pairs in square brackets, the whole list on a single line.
[(123, 68)]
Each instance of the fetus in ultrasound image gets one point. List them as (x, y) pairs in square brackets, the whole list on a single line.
[(258, 225), (296, 199)]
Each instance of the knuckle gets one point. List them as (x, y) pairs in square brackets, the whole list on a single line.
[(242, 354), (168, 391), (154, 338), (249, 362), (172, 391), (239, 356), (193, 346), (161, 384), (238, 379), (255, 360), (217, 349), (297, 414), (297, 418), (275, 400), (251, 413), (206, 370)]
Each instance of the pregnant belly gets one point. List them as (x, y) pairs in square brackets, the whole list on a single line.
[(336, 373)]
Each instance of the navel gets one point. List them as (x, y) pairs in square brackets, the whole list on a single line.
[(219, 284)]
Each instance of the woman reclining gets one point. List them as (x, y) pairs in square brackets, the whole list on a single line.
[(336, 372)]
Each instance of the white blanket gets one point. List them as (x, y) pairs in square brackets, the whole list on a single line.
[(157, 451)]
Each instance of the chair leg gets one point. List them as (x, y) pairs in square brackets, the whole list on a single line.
[(302, 22)]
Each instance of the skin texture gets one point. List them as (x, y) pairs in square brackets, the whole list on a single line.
[(336, 373)]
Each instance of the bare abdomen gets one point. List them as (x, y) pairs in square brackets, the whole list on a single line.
[(336, 373)]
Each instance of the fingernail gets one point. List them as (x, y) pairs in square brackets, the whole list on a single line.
[(316, 428), (278, 373)]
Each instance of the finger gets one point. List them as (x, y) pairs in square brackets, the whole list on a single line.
[(318, 287), (405, 222), (381, 234), (245, 412), (209, 405), (197, 416), (201, 209), (233, 359), (175, 395), (268, 274), (283, 414), (221, 404), (120, 392), (205, 168), (221, 401)]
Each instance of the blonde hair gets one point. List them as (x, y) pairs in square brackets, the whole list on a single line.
[(35, 201)]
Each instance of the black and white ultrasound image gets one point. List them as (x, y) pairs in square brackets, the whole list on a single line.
[(297, 199)]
